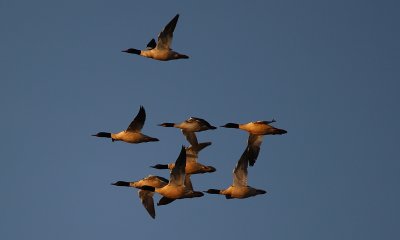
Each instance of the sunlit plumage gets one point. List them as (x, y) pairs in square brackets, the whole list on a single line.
[(133, 133), (179, 185), (239, 188), (189, 127), (256, 130), (146, 196), (162, 49), (192, 165)]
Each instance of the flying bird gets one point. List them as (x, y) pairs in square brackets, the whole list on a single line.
[(145, 196), (133, 133), (239, 188), (256, 130), (192, 165), (189, 127), (162, 49)]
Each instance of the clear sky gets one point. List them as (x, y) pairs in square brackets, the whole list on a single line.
[(327, 71)]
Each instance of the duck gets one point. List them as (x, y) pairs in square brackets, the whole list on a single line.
[(189, 127), (257, 130), (188, 186), (239, 189), (145, 196), (192, 166), (162, 49), (133, 133), (179, 185)]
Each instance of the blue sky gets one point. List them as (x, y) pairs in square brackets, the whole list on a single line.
[(327, 71)]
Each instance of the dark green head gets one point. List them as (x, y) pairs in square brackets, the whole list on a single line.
[(133, 51), (213, 191), (121, 184), (160, 166), (167, 124), (231, 125), (102, 134)]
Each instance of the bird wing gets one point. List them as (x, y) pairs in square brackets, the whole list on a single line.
[(188, 183), (137, 123), (147, 200), (190, 137), (200, 121), (165, 201), (253, 147), (177, 175), (165, 36), (152, 44), (240, 171), (192, 152), (267, 122)]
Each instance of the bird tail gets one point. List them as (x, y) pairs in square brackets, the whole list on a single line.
[(195, 194), (260, 191), (197, 148), (151, 139), (277, 131)]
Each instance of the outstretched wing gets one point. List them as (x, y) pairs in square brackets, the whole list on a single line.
[(190, 137), (201, 121), (152, 44), (165, 201), (192, 152), (188, 183), (253, 147), (177, 175), (240, 171), (137, 123), (147, 200), (165, 36)]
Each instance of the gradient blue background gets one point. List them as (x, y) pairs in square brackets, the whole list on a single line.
[(328, 71)]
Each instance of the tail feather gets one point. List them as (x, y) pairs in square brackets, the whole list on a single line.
[(195, 194), (278, 131), (197, 148), (260, 191), (147, 188), (151, 139)]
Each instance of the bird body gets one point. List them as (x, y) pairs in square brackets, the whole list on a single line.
[(161, 54), (241, 192), (132, 137), (257, 128), (192, 124), (172, 191)]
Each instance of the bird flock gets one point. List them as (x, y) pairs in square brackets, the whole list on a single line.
[(179, 185)]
